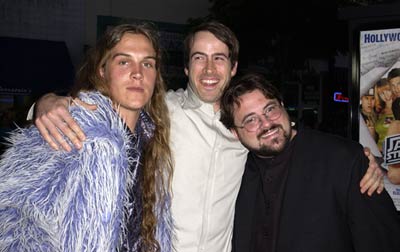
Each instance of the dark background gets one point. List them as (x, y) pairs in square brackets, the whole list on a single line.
[(296, 44)]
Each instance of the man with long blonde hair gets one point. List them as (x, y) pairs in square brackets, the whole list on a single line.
[(114, 193)]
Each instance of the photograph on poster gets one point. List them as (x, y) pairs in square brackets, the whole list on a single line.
[(379, 111)]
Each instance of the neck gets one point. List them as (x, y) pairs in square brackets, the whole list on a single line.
[(131, 121), (216, 106), (130, 117)]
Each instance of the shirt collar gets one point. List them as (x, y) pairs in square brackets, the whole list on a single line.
[(192, 101), (145, 126)]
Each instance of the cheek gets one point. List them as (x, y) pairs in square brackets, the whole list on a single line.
[(151, 90), (196, 67), (115, 75), (114, 89), (224, 70), (249, 138), (151, 77)]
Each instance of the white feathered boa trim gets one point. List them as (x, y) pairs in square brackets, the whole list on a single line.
[(58, 201)]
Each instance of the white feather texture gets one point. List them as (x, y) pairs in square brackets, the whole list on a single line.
[(58, 201)]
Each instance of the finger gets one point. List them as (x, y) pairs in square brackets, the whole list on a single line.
[(376, 184), (84, 104), (373, 183), (45, 134), (381, 186), (367, 152), (71, 130), (365, 181), (51, 126), (372, 168), (367, 184)]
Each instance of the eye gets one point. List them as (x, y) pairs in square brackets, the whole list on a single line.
[(148, 64), (198, 57), (251, 120), (270, 109), (220, 58), (123, 62)]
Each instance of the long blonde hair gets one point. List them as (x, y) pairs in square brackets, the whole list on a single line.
[(157, 165)]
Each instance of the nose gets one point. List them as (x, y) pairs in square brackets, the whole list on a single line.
[(136, 72), (209, 68), (264, 121)]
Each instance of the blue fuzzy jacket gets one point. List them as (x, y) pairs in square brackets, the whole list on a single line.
[(58, 201)]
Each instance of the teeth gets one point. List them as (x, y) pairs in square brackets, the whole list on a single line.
[(269, 132), (209, 82)]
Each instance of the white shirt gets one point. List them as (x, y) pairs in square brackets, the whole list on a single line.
[(209, 164)]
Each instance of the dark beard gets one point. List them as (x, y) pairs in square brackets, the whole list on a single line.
[(266, 151)]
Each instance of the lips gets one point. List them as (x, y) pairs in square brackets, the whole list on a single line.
[(135, 89), (209, 82), (267, 133)]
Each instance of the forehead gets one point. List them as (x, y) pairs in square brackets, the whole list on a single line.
[(204, 41), (395, 80), (368, 97), (386, 86), (135, 40), (253, 101)]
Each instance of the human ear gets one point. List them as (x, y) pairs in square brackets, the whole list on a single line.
[(101, 71), (234, 133), (234, 68)]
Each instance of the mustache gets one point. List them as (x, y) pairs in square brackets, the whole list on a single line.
[(263, 131)]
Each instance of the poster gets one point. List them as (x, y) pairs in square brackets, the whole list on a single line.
[(379, 111)]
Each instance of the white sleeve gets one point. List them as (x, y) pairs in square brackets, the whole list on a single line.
[(29, 116)]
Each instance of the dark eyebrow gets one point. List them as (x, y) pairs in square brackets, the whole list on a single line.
[(221, 54), (271, 103), (204, 54), (151, 57), (247, 116), (129, 56), (120, 54), (197, 53)]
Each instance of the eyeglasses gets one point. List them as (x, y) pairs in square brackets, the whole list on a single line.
[(253, 122)]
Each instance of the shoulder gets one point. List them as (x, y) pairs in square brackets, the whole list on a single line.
[(325, 142), (175, 99), (104, 122)]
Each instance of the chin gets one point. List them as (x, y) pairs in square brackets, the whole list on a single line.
[(275, 147)]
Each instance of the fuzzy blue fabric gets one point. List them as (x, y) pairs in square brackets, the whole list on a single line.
[(58, 201)]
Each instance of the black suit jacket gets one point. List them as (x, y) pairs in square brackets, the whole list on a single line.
[(322, 209)]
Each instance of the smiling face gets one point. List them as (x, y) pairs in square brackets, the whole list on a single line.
[(209, 69), (272, 136), (385, 93), (130, 72)]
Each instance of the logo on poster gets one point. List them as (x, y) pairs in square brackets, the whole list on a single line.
[(384, 37), (392, 149)]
